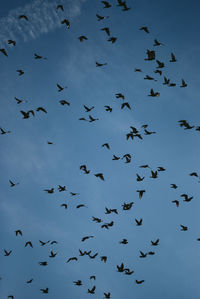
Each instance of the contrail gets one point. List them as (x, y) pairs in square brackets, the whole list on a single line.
[(43, 17)]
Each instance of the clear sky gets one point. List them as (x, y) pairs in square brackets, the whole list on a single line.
[(26, 157)]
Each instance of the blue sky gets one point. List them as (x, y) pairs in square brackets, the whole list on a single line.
[(27, 158)]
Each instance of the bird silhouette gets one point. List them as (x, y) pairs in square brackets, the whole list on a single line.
[(28, 243), (104, 259), (66, 22), (13, 184), (52, 254), (119, 95), (183, 83), (43, 243), (100, 18), (154, 174), (153, 94), (120, 268), (29, 281), (20, 72), (106, 4), (141, 192), (50, 191), (7, 253), (88, 109), (41, 109), (107, 30), (3, 51), (138, 222), (23, 17), (142, 254), (183, 228), (86, 238), (112, 39), (139, 281), (125, 105), (100, 64), (72, 259), (3, 132), (92, 290), (64, 205), (107, 295), (78, 283), (124, 241), (45, 291), (187, 198), (93, 277), (155, 243), (18, 232), (157, 43), (160, 64), (108, 108), (173, 58), (144, 28), (176, 202), (174, 186), (139, 178), (60, 7), (82, 38), (106, 145), (92, 119), (43, 263), (100, 175), (26, 115)]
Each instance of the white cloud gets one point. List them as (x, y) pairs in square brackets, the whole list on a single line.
[(43, 17)]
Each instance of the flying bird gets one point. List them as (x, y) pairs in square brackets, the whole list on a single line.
[(23, 17), (100, 175), (92, 290), (100, 18), (60, 88), (13, 184), (88, 109), (173, 58), (3, 51), (45, 291), (144, 28), (60, 7), (82, 38), (107, 30), (66, 22), (20, 72), (106, 4)]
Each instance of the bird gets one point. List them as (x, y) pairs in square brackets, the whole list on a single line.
[(138, 70), (158, 72), (100, 64), (107, 30), (3, 51), (125, 105), (43, 263), (80, 206), (150, 55), (166, 81), (153, 94), (120, 268), (52, 254), (157, 43), (172, 84), (108, 108), (64, 102), (66, 22), (138, 222), (93, 256), (107, 295), (92, 290), (84, 168), (155, 243), (115, 157), (139, 281), (43, 243), (127, 206), (173, 58), (100, 18), (64, 205), (26, 114), (23, 17), (45, 291), (160, 64), (82, 38), (50, 191), (142, 254), (187, 199), (60, 88), (53, 242), (61, 188), (60, 7), (41, 109), (144, 28), (125, 7), (92, 119), (13, 184), (93, 277), (174, 186), (124, 241), (144, 166), (104, 259), (49, 142), (11, 296), (149, 78), (106, 4), (139, 178), (19, 101), (176, 202), (20, 72), (106, 145), (98, 220), (87, 237), (7, 253), (3, 132), (183, 228), (183, 83), (88, 109), (151, 253), (78, 283), (100, 175), (12, 42), (119, 95), (128, 272), (29, 281), (18, 232), (72, 259), (28, 243), (160, 168), (112, 39), (194, 174), (74, 193), (141, 192), (154, 174)]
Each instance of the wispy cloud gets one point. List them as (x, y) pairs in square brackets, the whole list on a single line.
[(42, 16)]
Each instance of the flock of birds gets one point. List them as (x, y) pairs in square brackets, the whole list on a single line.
[(126, 158)]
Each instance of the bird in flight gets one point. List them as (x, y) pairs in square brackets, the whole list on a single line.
[(141, 192), (66, 22), (18, 232), (7, 253), (82, 38), (139, 281), (138, 222), (13, 184), (4, 52), (107, 30), (183, 83), (106, 4), (153, 94), (23, 17), (28, 243), (78, 283), (176, 202), (183, 227), (155, 243), (36, 56), (45, 291), (100, 18), (144, 28), (92, 290), (100, 175), (20, 72), (100, 64), (112, 39), (157, 43), (60, 7), (106, 145), (60, 88), (88, 109), (3, 132), (173, 58)]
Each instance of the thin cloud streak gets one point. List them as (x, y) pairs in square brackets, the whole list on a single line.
[(42, 16)]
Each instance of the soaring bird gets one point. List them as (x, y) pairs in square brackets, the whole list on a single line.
[(19, 101), (4, 52), (138, 222), (119, 95), (104, 259), (173, 58), (28, 243), (36, 56), (150, 55), (139, 281), (106, 145), (13, 184), (23, 17), (3, 132), (166, 81), (157, 43), (64, 102), (92, 290), (108, 108), (26, 114), (141, 192), (115, 157), (107, 295), (144, 28), (60, 88), (106, 29), (92, 119), (183, 83), (106, 4), (187, 198), (52, 254), (66, 22), (183, 228), (29, 281), (45, 291), (7, 253), (160, 64), (78, 283), (82, 38), (12, 42), (60, 7), (120, 268), (20, 72), (18, 232), (153, 94), (124, 241), (64, 205), (61, 188), (43, 243), (142, 254), (174, 186), (100, 64), (100, 175), (139, 178), (88, 109), (87, 237), (50, 191), (41, 109), (100, 18), (43, 264), (80, 206), (125, 105), (112, 39), (154, 174), (176, 202), (125, 7), (155, 243), (72, 259)]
